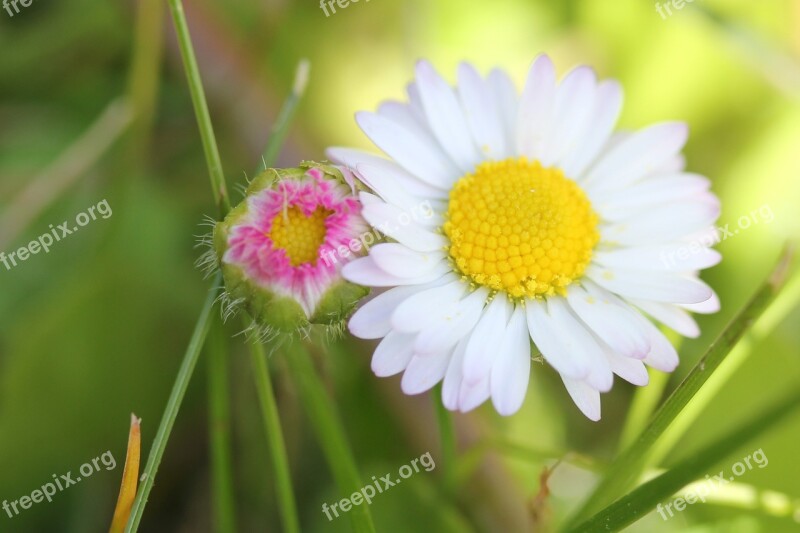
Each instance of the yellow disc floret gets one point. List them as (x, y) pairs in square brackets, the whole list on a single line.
[(518, 227), (299, 235)]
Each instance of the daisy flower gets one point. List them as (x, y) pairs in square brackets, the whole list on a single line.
[(549, 228), (281, 250)]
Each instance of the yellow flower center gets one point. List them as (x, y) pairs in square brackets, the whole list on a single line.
[(299, 235), (518, 227)]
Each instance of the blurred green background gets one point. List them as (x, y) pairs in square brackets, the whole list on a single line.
[(96, 328)]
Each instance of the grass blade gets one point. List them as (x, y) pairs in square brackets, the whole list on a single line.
[(219, 425), (328, 426), (630, 464), (638, 503), (281, 126), (277, 446), (213, 161)]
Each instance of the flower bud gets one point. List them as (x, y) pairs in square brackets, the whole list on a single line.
[(282, 248)]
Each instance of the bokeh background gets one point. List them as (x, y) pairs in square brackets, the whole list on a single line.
[(94, 105)]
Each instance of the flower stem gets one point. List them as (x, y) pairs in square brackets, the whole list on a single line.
[(330, 431), (219, 431), (277, 448), (218, 186), (447, 436), (173, 405)]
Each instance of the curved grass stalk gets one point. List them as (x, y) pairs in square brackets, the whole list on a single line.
[(70, 165), (631, 463), (641, 501)]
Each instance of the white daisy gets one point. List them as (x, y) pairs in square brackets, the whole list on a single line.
[(546, 228)]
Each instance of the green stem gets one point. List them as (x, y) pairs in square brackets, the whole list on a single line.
[(281, 126), (277, 448), (173, 405), (641, 501), (629, 465), (785, 302), (447, 436), (266, 395), (218, 186), (330, 432), (219, 429)]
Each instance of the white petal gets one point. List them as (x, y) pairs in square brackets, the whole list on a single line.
[(481, 113), (403, 262), (663, 355), (549, 335), (511, 371), (451, 387), (610, 322), (675, 257), (656, 286), (364, 271), (585, 397), (445, 117), (671, 316), (371, 320), (422, 373), (426, 213), (444, 332), (393, 354), (417, 311), (637, 156), (573, 110), (648, 193), (481, 349), (506, 101), (421, 159), (399, 225), (663, 223), (404, 115), (384, 170), (674, 164), (708, 307), (608, 104), (536, 108), (471, 396), (631, 370), (578, 338)]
